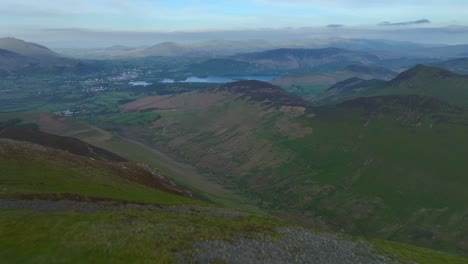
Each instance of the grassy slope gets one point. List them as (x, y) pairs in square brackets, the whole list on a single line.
[(386, 178), (117, 237), (29, 170), (183, 174), (397, 173), (32, 170), (104, 237)]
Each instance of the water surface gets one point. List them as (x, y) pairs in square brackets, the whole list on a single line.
[(223, 79)]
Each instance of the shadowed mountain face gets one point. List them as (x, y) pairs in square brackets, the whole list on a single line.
[(72, 145), (9, 55), (11, 60), (420, 80)]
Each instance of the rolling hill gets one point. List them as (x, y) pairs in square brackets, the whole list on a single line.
[(45, 172), (420, 80), (385, 166), (309, 85), (165, 49), (57, 206)]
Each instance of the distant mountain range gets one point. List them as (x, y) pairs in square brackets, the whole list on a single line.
[(310, 84), (224, 48), (18, 56), (283, 61), (459, 65), (295, 59)]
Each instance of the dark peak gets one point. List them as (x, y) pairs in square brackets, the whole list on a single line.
[(264, 92), (421, 70)]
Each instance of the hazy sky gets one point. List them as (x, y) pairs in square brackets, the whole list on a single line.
[(103, 22)]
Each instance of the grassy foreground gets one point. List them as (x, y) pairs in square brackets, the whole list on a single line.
[(144, 237)]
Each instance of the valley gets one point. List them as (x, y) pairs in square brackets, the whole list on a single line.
[(343, 155)]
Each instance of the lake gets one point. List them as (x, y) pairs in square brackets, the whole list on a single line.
[(221, 79)]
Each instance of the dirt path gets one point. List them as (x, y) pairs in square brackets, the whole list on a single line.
[(48, 206)]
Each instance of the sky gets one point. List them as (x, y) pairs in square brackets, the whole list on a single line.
[(90, 23)]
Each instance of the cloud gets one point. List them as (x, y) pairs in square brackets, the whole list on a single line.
[(335, 26), (345, 3), (88, 37), (406, 23)]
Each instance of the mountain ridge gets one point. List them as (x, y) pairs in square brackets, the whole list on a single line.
[(29, 49), (421, 79)]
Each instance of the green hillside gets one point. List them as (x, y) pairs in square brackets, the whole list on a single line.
[(199, 183), (32, 171), (58, 207), (420, 80), (391, 167)]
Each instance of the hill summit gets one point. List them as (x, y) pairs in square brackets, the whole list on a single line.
[(24, 48)]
